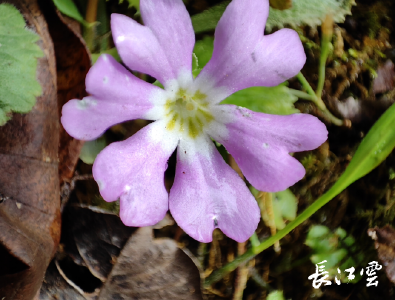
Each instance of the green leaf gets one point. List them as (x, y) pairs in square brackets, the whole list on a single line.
[(113, 52), (374, 148), (202, 53), (68, 8), (18, 64), (285, 206), (309, 12), (208, 19), (334, 247), (275, 295), (277, 100), (91, 149), (135, 4)]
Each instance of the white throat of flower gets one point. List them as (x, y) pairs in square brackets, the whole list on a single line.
[(188, 113)]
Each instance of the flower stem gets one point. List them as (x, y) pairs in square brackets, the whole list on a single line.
[(312, 96), (90, 17), (327, 32), (252, 252), (302, 95), (254, 240)]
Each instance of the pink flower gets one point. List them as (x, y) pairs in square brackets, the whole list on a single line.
[(206, 192)]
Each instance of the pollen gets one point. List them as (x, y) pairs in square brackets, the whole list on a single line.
[(188, 113)]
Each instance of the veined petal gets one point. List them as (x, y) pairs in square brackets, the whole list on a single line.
[(243, 57), (117, 96), (207, 194), (133, 170), (260, 144), (140, 49), (171, 24)]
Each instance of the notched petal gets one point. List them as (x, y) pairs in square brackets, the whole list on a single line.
[(170, 22), (133, 171), (140, 49), (261, 143), (243, 57), (208, 194), (117, 96)]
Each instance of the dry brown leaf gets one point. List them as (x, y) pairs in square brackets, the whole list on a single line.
[(384, 81), (56, 288), (30, 217), (98, 237), (149, 269), (384, 242), (72, 64)]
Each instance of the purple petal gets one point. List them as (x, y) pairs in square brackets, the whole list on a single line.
[(243, 57), (117, 96), (133, 170), (260, 144), (207, 194), (171, 24), (139, 48)]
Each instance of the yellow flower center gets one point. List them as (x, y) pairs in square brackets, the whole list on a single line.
[(188, 113)]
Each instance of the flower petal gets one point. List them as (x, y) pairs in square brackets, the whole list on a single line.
[(207, 194), (260, 144), (171, 24), (139, 48), (243, 57), (117, 96), (133, 170)]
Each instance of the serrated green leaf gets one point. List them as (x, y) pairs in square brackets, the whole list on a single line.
[(69, 8), (208, 19), (91, 149), (277, 100), (309, 12), (18, 64)]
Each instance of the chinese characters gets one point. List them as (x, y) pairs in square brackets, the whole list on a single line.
[(320, 276)]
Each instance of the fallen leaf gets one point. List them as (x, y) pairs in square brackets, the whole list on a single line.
[(149, 269), (56, 288), (98, 235), (384, 242), (72, 64), (30, 216), (130, 264)]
